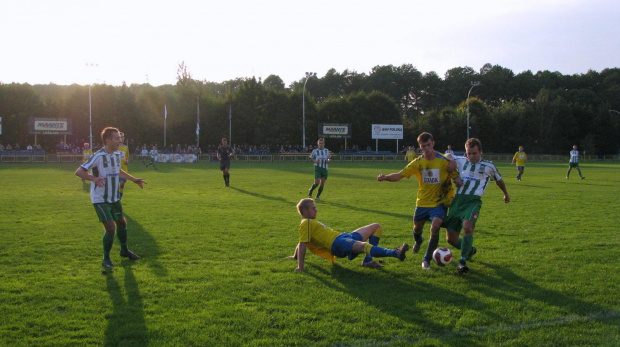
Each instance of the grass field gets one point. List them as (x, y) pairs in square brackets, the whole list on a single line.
[(213, 270)]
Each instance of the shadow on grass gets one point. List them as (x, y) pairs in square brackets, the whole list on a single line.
[(126, 323), (366, 210), (262, 196), (404, 299), (148, 248), (508, 286)]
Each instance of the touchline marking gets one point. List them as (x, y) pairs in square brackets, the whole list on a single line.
[(492, 329)]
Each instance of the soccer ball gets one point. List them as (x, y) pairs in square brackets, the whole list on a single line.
[(442, 256)]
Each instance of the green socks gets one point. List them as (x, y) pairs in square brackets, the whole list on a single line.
[(108, 241), (466, 246), (122, 237)]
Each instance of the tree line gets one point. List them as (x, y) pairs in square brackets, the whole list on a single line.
[(546, 112)]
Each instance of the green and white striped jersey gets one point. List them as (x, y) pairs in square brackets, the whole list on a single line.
[(574, 156), (321, 155), (107, 165), (475, 176)]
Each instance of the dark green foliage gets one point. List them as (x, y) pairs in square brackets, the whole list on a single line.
[(545, 111)]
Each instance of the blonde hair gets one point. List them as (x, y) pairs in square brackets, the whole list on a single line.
[(303, 204)]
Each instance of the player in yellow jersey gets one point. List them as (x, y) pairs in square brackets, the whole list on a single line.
[(410, 155), (330, 244), (124, 161), (521, 159), (87, 152), (435, 193)]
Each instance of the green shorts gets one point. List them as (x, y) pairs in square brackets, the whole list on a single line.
[(571, 165), (464, 207), (320, 172), (107, 212)]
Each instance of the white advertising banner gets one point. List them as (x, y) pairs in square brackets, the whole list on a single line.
[(174, 158), (387, 131)]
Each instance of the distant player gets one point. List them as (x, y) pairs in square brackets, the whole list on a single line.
[(410, 155), (124, 161), (320, 156), (144, 154), (330, 244), (224, 153), (574, 162), (153, 156), (465, 208), (449, 150), (521, 159), (435, 192), (104, 193), (87, 152)]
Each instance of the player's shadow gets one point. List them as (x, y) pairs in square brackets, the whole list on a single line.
[(126, 324), (144, 244), (398, 297), (262, 196), (510, 287), (365, 210)]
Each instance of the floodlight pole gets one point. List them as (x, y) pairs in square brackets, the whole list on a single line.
[(473, 84), (303, 103), (90, 117)]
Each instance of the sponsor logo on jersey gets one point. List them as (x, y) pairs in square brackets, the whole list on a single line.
[(431, 176)]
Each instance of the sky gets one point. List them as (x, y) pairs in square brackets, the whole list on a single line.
[(137, 41)]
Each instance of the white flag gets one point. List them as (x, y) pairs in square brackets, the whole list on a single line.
[(197, 117), (165, 112)]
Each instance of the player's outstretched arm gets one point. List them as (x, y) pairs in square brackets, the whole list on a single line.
[(139, 181), (502, 186), (301, 256), (393, 177), (294, 256)]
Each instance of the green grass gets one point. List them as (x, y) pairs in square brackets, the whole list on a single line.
[(213, 270)]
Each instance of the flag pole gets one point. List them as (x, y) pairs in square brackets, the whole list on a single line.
[(165, 121), (197, 121), (230, 125)]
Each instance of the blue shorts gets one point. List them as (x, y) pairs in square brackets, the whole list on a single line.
[(343, 245), (429, 213), (520, 168)]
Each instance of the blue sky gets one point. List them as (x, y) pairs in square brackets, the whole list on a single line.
[(137, 41)]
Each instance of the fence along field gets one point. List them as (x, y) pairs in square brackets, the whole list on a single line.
[(213, 268)]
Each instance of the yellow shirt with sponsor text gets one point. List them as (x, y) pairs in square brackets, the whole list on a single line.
[(435, 185)]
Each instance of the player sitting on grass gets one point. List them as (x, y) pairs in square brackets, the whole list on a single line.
[(325, 242)]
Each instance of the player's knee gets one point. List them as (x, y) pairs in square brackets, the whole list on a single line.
[(468, 231), (452, 238)]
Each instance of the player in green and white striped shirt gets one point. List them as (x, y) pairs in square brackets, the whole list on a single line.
[(476, 174), (105, 165), (574, 162), (320, 157)]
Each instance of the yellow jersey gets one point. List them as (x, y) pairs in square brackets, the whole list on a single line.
[(520, 158), (87, 154), (410, 155), (434, 182), (318, 237), (124, 157)]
